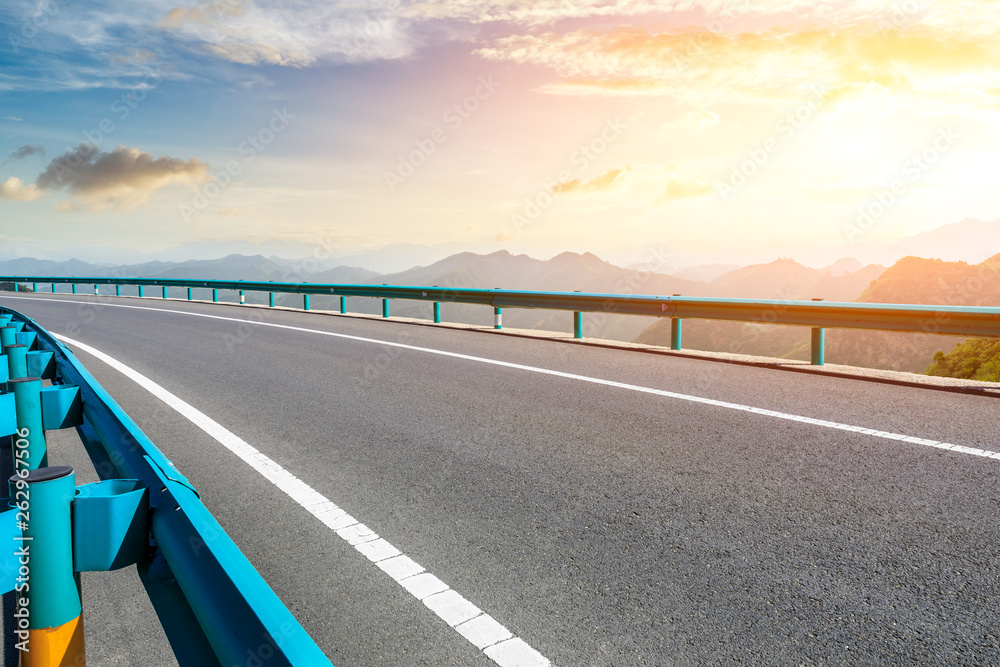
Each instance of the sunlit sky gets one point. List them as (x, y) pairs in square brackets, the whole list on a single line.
[(538, 126)]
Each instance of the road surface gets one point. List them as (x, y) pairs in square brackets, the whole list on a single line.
[(605, 507)]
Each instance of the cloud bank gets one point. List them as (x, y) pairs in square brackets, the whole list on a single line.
[(293, 33)]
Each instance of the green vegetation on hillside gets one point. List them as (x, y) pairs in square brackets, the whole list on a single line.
[(973, 359)]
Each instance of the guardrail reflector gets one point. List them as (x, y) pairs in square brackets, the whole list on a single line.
[(41, 365), (61, 407), (27, 338), (110, 525)]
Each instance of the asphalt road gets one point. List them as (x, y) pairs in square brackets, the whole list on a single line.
[(601, 524)]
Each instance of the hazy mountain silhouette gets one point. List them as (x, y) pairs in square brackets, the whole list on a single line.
[(343, 275), (247, 267), (705, 272), (966, 239), (241, 267), (787, 279), (842, 267), (29, 266)]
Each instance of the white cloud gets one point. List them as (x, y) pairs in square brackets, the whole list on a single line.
[(291, 33), (14, 188)]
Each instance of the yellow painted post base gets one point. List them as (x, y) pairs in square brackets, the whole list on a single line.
[(56, 647)]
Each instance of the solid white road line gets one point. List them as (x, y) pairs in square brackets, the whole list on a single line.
[(571, 376), (486, 634)]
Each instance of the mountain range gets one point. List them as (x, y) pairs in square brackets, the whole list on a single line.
[(970, 240)]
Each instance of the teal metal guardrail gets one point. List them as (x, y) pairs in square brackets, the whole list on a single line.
[(213, 605), (818, 315)]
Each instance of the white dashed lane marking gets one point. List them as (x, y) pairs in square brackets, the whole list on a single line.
[(483, 631)]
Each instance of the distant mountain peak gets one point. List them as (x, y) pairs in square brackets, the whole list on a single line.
[(991, 262), (843, 266)]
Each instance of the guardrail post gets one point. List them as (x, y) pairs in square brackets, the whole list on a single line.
[(385, 307), (164, 291), (8, 336), (577, 324), (34, 287), (118, 290), (676, 331), (243, 299), (74, 288), (17, 360), (818, 357), (97, 291), (497, 317), (270, 299), (54, 613), (190, 293), (53, 288), (16, 287), (305, 302), (28, 413), (215, 295), (437, 312), (343, 305), (818, 345), (141, 291)]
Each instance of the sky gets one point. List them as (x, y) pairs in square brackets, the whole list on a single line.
[(719, 130)]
